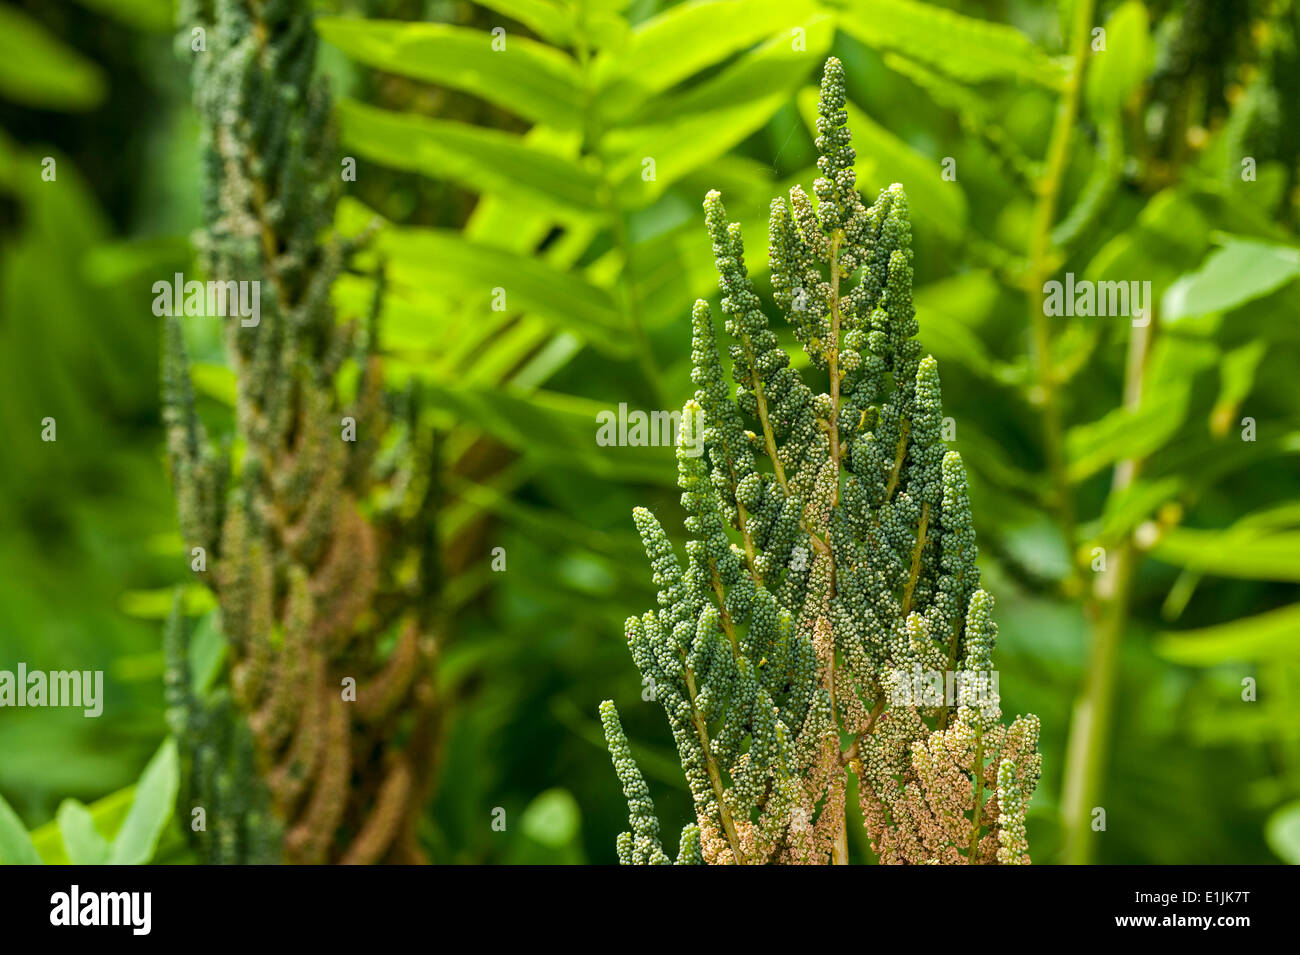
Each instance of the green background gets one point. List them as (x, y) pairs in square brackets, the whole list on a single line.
[(500, 173)]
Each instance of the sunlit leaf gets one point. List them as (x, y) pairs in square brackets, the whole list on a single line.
[(215, 381), (1250, 638), (156, 604), (536, 81), (679, 146), (1169, 235), (1125, 433), (1242, 270), (772, 67), (1115, 72), (151, 808), (556, 429), (106, 813), (685, 39), (977, 114), (1236, 552), (553, 818), (1283, 833), (564, 299), (1236, 378), (486, 160), (37, 69), (83, 843), (546, 18), (964, 47)]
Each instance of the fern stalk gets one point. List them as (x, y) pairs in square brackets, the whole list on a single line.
[(320, 539)]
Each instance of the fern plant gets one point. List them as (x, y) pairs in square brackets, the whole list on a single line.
[(317, 522), (830, 592), (563, 224)]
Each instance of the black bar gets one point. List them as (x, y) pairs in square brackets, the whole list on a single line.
[(214, 905)]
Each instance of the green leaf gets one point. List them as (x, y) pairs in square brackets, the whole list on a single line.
[(679, 147), (214, 380), (553, 429), (485, 160), (157, 604), (15, 845), (207, 652), (536, 81), (1125, 433), (1138, 432), (1170, 233), (154, 15), (988, 459), (1250, 638), (417, 256), (689, 132), (553, 818), (1038, 543), (1189, 466), (978, 115), (963, 47), (1283, 833), (1281, 516), (1236, 378), (948, 309), (685, 39), (107, 814), (546, 18), (770, 69), (1239, 272), (155, 799), (1103, 178), (1237, 552), (38, 70), (1114, 73), (499, 497), (83, 843)]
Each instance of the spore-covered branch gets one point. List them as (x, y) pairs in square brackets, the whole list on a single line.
[(830, 588), (318, 517)]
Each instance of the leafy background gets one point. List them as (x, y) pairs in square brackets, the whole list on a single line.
[(525, 169)]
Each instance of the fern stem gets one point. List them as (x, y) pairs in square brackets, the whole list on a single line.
[(834, 358), (899, 453), (915, 571), (711, 767), (840, 849), (1041, 265), (978, 810), (769, 439), (594, 134), (1090, 728)]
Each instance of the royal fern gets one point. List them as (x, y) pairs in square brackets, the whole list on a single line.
[(830, 574), (320, 540)]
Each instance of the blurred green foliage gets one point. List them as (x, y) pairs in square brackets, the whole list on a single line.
[(524, 168)]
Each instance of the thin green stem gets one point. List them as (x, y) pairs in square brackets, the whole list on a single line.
[(840, 849), (1090, 729), (1093, 715), (715, 775), (594, 134), (1041, 264)]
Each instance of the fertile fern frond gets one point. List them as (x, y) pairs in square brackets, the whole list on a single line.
[(830, 573), (321, 539)]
